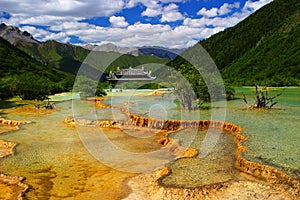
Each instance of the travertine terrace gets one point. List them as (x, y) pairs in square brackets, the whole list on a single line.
[(12, 186), (267, 174)]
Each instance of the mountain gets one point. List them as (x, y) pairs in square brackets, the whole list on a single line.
[(232, 43), (69, 58), (262, 49), (275, 60), (65, 57), (109, 47), (161, 52), (14, 34), (15, 62), (19, 71)]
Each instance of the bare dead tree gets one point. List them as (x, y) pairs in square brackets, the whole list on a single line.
[(262, 99)]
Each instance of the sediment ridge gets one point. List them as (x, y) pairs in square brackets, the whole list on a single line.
[(279, 180), (12, 188), (16, 123), (6, 148)]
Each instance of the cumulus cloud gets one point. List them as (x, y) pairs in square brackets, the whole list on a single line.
[(118, 21), (213, 12), (151, 3), (217, 23), (44, 35), (227, 8), (75, 8), (146, 3), (171, 13), (255, 5), (215, 16), (41, 20), (166, 9), (61, 20), (138, 34), (152, 10), (71, 25), (249, 8)]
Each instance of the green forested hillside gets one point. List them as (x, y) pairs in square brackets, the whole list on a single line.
[(262, 49), (232, 43), (22, 75), (69, 58), (275, 62), (50, 67), (65, 57)]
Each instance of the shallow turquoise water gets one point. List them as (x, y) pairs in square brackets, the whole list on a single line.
[(50, 152), (273, 135), (216, 167)]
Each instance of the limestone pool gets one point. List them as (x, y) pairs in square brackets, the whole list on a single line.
[(57, 166)]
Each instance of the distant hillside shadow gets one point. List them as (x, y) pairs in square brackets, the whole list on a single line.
[(9, 104)]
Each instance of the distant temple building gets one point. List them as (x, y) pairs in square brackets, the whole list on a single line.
[(130, 74)]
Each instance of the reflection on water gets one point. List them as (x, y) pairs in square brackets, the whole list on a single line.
[(55, 163)]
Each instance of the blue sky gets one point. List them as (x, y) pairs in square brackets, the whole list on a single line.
[(130, 23)]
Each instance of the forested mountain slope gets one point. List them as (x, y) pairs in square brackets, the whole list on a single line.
[(262, 49), (20, 72)]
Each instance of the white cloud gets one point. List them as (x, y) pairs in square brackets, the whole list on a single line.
[(66, 22), (213, 12), (191, 43), (44, 35), (215, 16), (196, 23), (249, 8), (255, 5), (151, 3), (168, 12), (43, 20), (216, 22), (118, 21), (173, 1), (75, 8), (147, 3), (71, 25), (150, 12), (144, 28), (171, 7), (171, 14), (227, 8), (138, 34)]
